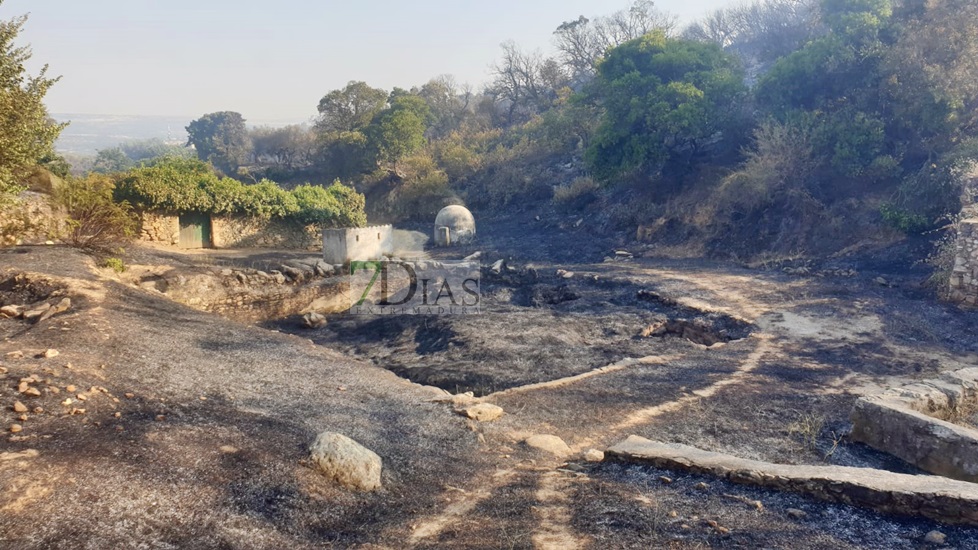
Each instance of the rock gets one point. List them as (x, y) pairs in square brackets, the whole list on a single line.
[(623, 254), (483, 412), (796, 514), (594, 455), (36, 312), (16, 428), (473, 257), (498, 267), (936, 538), (347, 462), (61, 307), (32, 392), (50, 354), (564, 274), (314, 320), (665, 479), (324, 269), (15, 354), (19, 407), (701, 486), (11, 311), (549, 444), (292, 273), (881, 281), (71, 389)]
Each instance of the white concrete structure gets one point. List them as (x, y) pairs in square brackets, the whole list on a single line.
[(357, 243), (454, 225)]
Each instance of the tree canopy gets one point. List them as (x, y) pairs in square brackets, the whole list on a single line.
[(222, 139), (27, 135)]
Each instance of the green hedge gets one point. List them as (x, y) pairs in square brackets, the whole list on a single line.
[(187, 185)]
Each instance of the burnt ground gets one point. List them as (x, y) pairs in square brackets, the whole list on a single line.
[(215, 417)]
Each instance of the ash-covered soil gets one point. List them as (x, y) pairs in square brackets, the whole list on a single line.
[(194, 430), (536, 326)]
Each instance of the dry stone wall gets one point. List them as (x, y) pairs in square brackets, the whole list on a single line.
[(964, 278)]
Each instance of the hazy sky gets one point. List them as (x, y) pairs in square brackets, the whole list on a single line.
[(275, 60)]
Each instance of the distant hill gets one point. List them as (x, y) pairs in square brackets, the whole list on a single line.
[(88, 133)]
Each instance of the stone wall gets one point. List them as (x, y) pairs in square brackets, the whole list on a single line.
[(242, 232), (933, 497), (357, 243), (233, 232), (30, 220), (901, 422), (964, 278), (159, 228)]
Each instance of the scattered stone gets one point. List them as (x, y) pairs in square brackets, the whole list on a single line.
[(473, 257), (76, 411), (228, 449), (38, 410), (130, 395), (564, 274), (67, 402), (20, 407), (82, 397), (16, 354), (796, 514), (881, 281), (32, 392), (50, 354), (324, 269), (594, 455), (701, 486), (117, 415), (665, 479), (347, 462), (160, 417), (314, 320), (16, 428), (549, 444), (11, 311), (61, 307), (36, 312), (498, 267), (71, 389), (483, 412), (22, 418), (936, 538)]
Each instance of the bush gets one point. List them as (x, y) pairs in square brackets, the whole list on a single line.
[(580, 189), (115, 264), (95, 221), (186, 185)]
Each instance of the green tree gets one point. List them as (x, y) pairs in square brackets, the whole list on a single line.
[(349, 109), (399, 130), (663, 98), (222, 139), (27, 135), (110, 161)]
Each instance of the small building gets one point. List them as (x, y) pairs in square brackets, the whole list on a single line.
[(194, 230), (344, 245), (454, 225)]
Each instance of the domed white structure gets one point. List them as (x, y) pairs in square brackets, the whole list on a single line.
[(454, 225)]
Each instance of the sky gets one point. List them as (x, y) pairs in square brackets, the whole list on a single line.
[(273, 61)]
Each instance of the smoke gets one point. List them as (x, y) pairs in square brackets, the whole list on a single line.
[(409, 245)]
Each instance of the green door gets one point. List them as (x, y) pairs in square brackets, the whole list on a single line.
[(195, 231)]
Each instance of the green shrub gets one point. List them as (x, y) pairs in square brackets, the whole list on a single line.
[(94, 219), (116, 264), (185, 185)]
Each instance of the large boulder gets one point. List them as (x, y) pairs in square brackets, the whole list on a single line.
[(347, 462)]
